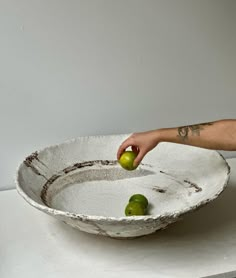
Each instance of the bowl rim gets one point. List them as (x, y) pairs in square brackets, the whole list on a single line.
[(84, 217)]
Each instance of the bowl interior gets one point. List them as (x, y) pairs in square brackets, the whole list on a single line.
[(105, 191)]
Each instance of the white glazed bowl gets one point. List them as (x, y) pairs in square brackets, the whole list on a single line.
[(81, 183)]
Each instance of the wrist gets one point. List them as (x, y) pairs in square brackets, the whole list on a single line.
[(158, 136), (165, 135)]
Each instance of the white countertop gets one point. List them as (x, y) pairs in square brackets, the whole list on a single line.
[(33, 244)]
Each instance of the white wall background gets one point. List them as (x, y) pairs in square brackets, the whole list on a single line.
[(74, 68)]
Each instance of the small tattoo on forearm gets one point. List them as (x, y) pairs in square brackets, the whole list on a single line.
[(183, 131)]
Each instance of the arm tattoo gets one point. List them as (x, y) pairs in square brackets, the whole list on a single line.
[(183, 131)]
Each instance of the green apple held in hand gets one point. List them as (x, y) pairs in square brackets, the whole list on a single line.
[(127, 160)]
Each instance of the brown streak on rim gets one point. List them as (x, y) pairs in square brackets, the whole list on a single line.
[(88, 164), (28, 163), (192, 184), (43, 194), (29, 159)]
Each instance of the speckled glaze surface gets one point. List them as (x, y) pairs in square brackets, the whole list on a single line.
[(81, 183)]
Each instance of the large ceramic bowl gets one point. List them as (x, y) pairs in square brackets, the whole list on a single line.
[(81, 183)]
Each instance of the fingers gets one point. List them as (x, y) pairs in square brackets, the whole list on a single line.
[(129, 143), (123, 147)]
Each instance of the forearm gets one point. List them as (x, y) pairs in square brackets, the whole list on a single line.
[(218, 135)]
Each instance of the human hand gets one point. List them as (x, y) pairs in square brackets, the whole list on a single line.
[(141, 143)]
